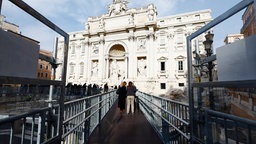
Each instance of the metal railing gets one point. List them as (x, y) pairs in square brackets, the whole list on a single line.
[(169, 118), (41, 123), (81, 116)]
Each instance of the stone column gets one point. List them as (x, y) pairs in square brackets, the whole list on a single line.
[(151, 55), (101, 65), (89, 62), (126, 65), (107, 66), (130, 56)]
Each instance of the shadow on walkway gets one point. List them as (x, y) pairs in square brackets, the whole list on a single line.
[(124, 129)]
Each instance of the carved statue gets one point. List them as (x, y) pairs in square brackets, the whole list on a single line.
[(101, 23), (142, 66), (117, 7), (95, 69)]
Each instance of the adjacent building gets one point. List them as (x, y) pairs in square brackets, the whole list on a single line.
[(132, 45), (230, 38), (44, 67), (249, 21), (5, 25)]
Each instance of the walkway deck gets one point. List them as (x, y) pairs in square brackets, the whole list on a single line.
[(124, 129)]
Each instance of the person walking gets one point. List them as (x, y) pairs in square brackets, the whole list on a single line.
[(131, 90), (121, 91)]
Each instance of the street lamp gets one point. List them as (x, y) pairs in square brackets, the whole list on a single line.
[(208, 48)]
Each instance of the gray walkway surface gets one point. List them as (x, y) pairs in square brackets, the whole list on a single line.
[(124, 129)]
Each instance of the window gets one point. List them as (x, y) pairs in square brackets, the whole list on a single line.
[(197, 17), (81, 68), (162, 85), (181, 84), (73, 49), (71, 70), (179, 38), (162, 66), (178, 19), (162, 40), (41, 66), (180, 65), (46, 67), (42, 75), (38, 74), (83, 49), (46, 75)]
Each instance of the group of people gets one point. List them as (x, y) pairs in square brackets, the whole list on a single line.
[(126, 97)]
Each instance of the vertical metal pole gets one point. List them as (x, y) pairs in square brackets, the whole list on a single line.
[(100, 109), (1, 6), (254, 3), (190, 91), (63, 79), (53, 72)]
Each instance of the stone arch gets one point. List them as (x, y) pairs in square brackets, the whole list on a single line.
[(116, 63), (116, 43)]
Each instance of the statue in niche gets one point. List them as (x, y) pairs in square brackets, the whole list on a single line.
[(131, 20), (101, 23), (142, 66), (95, 49), (114, 71), (142, 44), (95, 68)]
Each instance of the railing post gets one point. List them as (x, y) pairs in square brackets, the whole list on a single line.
[(100, 103), (165, 125), (87, 122), (208, 128)]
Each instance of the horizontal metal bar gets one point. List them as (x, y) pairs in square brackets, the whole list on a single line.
[(20, 80), (229, 116), (228, 84), (85, 98), (49, 59), (166, 99), (38, 16), (27, 114), (207, 59)]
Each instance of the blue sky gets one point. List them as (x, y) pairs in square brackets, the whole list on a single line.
[(70, 15)]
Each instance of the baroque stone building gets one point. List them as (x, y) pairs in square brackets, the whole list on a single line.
[(132, 45)]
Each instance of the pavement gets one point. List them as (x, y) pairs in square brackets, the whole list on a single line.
[(118, 128)]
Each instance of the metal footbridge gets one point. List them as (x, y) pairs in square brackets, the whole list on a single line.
[(95, 119)]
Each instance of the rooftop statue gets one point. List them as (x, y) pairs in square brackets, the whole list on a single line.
[(117, 7)]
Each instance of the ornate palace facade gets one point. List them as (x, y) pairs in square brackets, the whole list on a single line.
[(132, 45)]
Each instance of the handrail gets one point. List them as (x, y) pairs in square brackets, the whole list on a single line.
[(166, 116), (85, 113)]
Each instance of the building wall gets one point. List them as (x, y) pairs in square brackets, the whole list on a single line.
[(147, 50), (7, 25), (232, 38), (249, 21)]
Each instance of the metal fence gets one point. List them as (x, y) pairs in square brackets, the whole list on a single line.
[(232, 120), (170, 119)]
